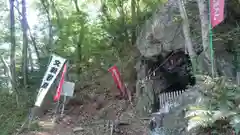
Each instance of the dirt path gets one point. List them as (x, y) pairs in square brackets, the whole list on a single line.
[(95, 117)]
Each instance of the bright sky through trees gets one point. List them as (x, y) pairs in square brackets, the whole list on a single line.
[(92, 10)]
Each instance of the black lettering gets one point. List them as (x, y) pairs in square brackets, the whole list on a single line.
[(53, 70), (40, 91), (57, 62), (49, 77), (45, 85)]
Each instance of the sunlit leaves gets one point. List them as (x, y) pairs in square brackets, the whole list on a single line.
[(105, 35), (218, 102)]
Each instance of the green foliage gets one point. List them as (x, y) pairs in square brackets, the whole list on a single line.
[(104, 39), (19, 104), (88, 43), (217, 109), (12, 114)]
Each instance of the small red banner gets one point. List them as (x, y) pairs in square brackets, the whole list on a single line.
[(117, 79), (217, 12), (59, 89)]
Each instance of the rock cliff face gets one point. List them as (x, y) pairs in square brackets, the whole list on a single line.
[(158, 71), (163, 62), (162, 33)]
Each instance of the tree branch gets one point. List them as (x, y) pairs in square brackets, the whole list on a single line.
[(29, 30)]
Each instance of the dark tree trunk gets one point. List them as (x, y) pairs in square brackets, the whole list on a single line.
[(13, 45), (25, 45)]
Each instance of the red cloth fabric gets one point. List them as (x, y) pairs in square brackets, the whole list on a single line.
[(217, 12), (117, 79), (59, 89)]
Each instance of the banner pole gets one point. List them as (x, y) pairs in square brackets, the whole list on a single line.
[(64, 100), (211, 38)]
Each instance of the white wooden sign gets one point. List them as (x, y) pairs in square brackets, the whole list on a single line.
[(53, 70)]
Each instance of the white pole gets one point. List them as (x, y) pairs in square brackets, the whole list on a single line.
[(64, 100)]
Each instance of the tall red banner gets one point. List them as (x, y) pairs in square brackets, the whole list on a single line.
[(117, 79), (59, 89), (217, 12)]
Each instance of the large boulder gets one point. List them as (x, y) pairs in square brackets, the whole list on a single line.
[(161, 35), (163, 32)]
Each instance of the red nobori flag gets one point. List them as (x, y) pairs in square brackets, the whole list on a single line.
[(117, 79), (59, 89), (217, 12)]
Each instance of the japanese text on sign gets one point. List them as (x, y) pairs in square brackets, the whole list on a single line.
[(53, 70)]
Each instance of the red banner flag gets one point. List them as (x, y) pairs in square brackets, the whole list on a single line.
[(117, 79), (59, 89), (217, 12)]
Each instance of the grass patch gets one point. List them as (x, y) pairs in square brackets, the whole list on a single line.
[(13, 113)]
